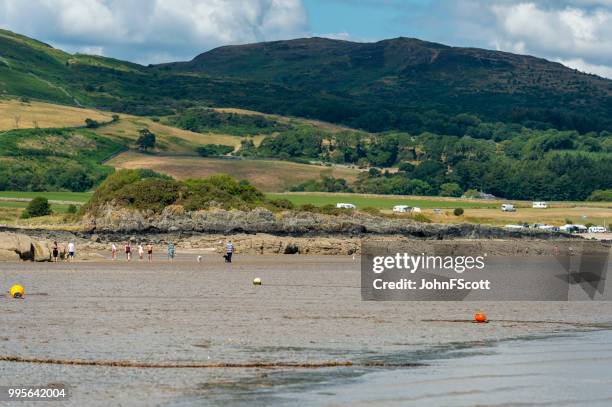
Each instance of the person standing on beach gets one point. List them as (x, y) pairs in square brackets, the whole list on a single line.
[(114, 251), (55, 252), (140, 251), (150, 251), (229, 251), (71, 251), (128, 251), (170, 251)]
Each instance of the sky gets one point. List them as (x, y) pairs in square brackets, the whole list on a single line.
[(577, 33)]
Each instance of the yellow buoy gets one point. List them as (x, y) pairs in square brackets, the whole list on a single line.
[(17, 291), (257, 281)]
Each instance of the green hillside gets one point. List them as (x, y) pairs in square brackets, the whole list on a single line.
[(398, 84)]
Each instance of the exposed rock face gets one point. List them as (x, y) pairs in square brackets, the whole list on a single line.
[(175, 219), (15, 246)]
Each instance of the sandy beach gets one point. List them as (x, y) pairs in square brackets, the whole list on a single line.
[(308, 310)]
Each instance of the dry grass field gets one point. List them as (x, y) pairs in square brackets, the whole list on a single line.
[(267, 175), (169, 139), (15, 114)]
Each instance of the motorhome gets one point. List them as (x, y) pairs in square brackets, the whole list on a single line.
[(406, 209), (508, 208), (597, 229), (345, 205), (539, 205)]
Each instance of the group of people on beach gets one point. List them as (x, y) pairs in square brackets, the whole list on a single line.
[(67, 252), (142, 248), (62, 252)]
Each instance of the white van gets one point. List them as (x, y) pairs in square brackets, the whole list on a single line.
[(597, 229), (508, 208), (345, 205), (539, 205)]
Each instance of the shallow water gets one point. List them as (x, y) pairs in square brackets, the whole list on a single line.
[(308, 310), (563, 370)]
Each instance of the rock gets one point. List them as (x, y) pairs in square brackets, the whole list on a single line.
[(291, 248), (218, 221), (42, 251), (17, 243), (95, 238), (9, 255)]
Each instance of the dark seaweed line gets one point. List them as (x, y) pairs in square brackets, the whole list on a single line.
[(247, 365)]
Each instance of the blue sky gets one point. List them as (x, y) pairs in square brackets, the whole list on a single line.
[(577, 33)]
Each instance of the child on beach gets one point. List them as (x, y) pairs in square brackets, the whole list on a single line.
[(140, 251), (128, 251), (114, 251), (150, 251), (71, 251), (170, 251)]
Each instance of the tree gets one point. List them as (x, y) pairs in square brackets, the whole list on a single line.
[(146, 140), (450, 189), (38, 206), (458, 211)]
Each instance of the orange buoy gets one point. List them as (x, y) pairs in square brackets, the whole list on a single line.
[(480, 317)]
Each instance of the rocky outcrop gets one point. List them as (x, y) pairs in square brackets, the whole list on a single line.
[(16, 246), (174, 219)]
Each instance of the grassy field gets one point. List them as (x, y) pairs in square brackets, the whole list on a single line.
[(486, 212), (43, 115), (169, 140), (268, 175), (381, 202)]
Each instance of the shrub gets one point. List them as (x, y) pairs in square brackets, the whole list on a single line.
[(371, 211), (91, 123), (211, 150), (72, 209), (601, 195), (458, 211), (282, 203), (419, 217), (38, 206)]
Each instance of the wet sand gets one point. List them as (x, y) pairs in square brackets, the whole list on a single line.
[(308, 310)]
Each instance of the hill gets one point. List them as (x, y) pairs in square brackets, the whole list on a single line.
[(402, 84), (374, 85)]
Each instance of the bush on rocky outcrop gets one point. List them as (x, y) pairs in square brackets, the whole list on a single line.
[(147, 190)]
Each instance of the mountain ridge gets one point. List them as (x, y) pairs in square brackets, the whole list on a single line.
[(395, 84)]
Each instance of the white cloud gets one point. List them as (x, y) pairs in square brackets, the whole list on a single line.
[(582, 66), (153, 30), (557, 31)]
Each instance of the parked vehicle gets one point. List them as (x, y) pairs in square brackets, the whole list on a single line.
[(597, 229), (508, 208), (406, 209), (539, 205), (345, 205), (573, 228)]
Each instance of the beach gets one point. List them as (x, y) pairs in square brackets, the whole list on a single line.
[(305, 317)]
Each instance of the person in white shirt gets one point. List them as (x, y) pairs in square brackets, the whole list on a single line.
[(229, 251), (70, 251), (140, 251), (114, 251)]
